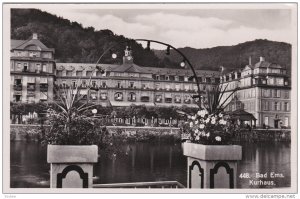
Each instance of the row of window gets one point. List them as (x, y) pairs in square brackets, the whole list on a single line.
[(37, 67), (275, 93), (275, 106), (33, 54), (276, 124)]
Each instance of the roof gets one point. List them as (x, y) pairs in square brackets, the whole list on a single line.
[(15, 43), (180, 71), (131, 68), (25, 44), (265, 64), (242, 115)]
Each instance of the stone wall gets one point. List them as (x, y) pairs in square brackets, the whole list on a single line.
[(128, 133)]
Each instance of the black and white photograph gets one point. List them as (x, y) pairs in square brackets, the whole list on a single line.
[(161, 97)]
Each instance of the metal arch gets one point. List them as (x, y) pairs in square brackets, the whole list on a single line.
[(215, 171), (78, 169), (191, 167)]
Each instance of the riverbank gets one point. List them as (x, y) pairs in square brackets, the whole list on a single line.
[(20, 132)]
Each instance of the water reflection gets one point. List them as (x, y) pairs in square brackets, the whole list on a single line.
[(150, 162)]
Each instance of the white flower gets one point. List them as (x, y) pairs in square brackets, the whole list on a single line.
[(213, 121), (222, 121), (197, 137), (196, 122), (218, 138), (189, 117), (207, 135), (213, 118), (196, 131), (193, 117), (201, 126), (202, 133), (191, 124), (220, 115), (207, 120), (202, 113)]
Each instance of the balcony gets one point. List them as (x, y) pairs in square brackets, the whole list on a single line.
[(133, 99), (177, 100), (18, 87)]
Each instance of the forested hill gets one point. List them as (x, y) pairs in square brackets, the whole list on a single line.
[(73, 43), (233, 57)]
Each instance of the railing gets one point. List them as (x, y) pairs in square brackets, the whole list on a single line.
[(158, 184)]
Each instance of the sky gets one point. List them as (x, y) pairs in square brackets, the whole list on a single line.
[(197, 28)]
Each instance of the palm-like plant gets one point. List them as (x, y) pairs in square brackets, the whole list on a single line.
[(69, 122)]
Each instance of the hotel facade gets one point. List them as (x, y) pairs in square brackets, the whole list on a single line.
[(263, 89)]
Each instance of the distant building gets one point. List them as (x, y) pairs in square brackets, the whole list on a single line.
[(32, 69), (263, 90), (126, 84)]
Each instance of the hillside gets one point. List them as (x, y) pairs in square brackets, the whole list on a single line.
[(233, 57), (73, 43)]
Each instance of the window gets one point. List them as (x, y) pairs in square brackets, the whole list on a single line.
[(167, 86), (69, 73), (104, 84), (279, 81), (119, 97), (157, 86), (276, 93), (18, 98), (286, 94), (271, 80), (253, 92), (176, 78), (94, 95), (83, 83), (158, 98), (131, 84), (266, 93), (38, 67), (286, 106), (88, 73), (78, 73), (59, 73), (25, 67), (266, 106), (145, 98), (286, 121), (186, 87), (276, 106), (131, 97), (167, 78), (103, 96), (266, 120), (186, 79), (19, 66), (44, 68), (187, 99), (18, 81), (119, 85), (157, 77), (177, 99), (144, 86), (94, 84), (74, 84), (177, 87)]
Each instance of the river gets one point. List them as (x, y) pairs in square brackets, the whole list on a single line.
[(144, 162)]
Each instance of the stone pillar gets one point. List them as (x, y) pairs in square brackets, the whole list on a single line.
[(71, 166), (212, 166)]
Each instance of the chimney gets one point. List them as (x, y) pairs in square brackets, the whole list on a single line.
[(261, 59), (34, 36), (250, 61)]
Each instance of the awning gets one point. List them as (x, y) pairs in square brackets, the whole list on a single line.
[(115, 103)]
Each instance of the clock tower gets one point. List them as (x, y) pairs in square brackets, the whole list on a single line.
[(127, 58)]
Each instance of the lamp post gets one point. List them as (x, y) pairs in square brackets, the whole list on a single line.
[(182, 64)]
